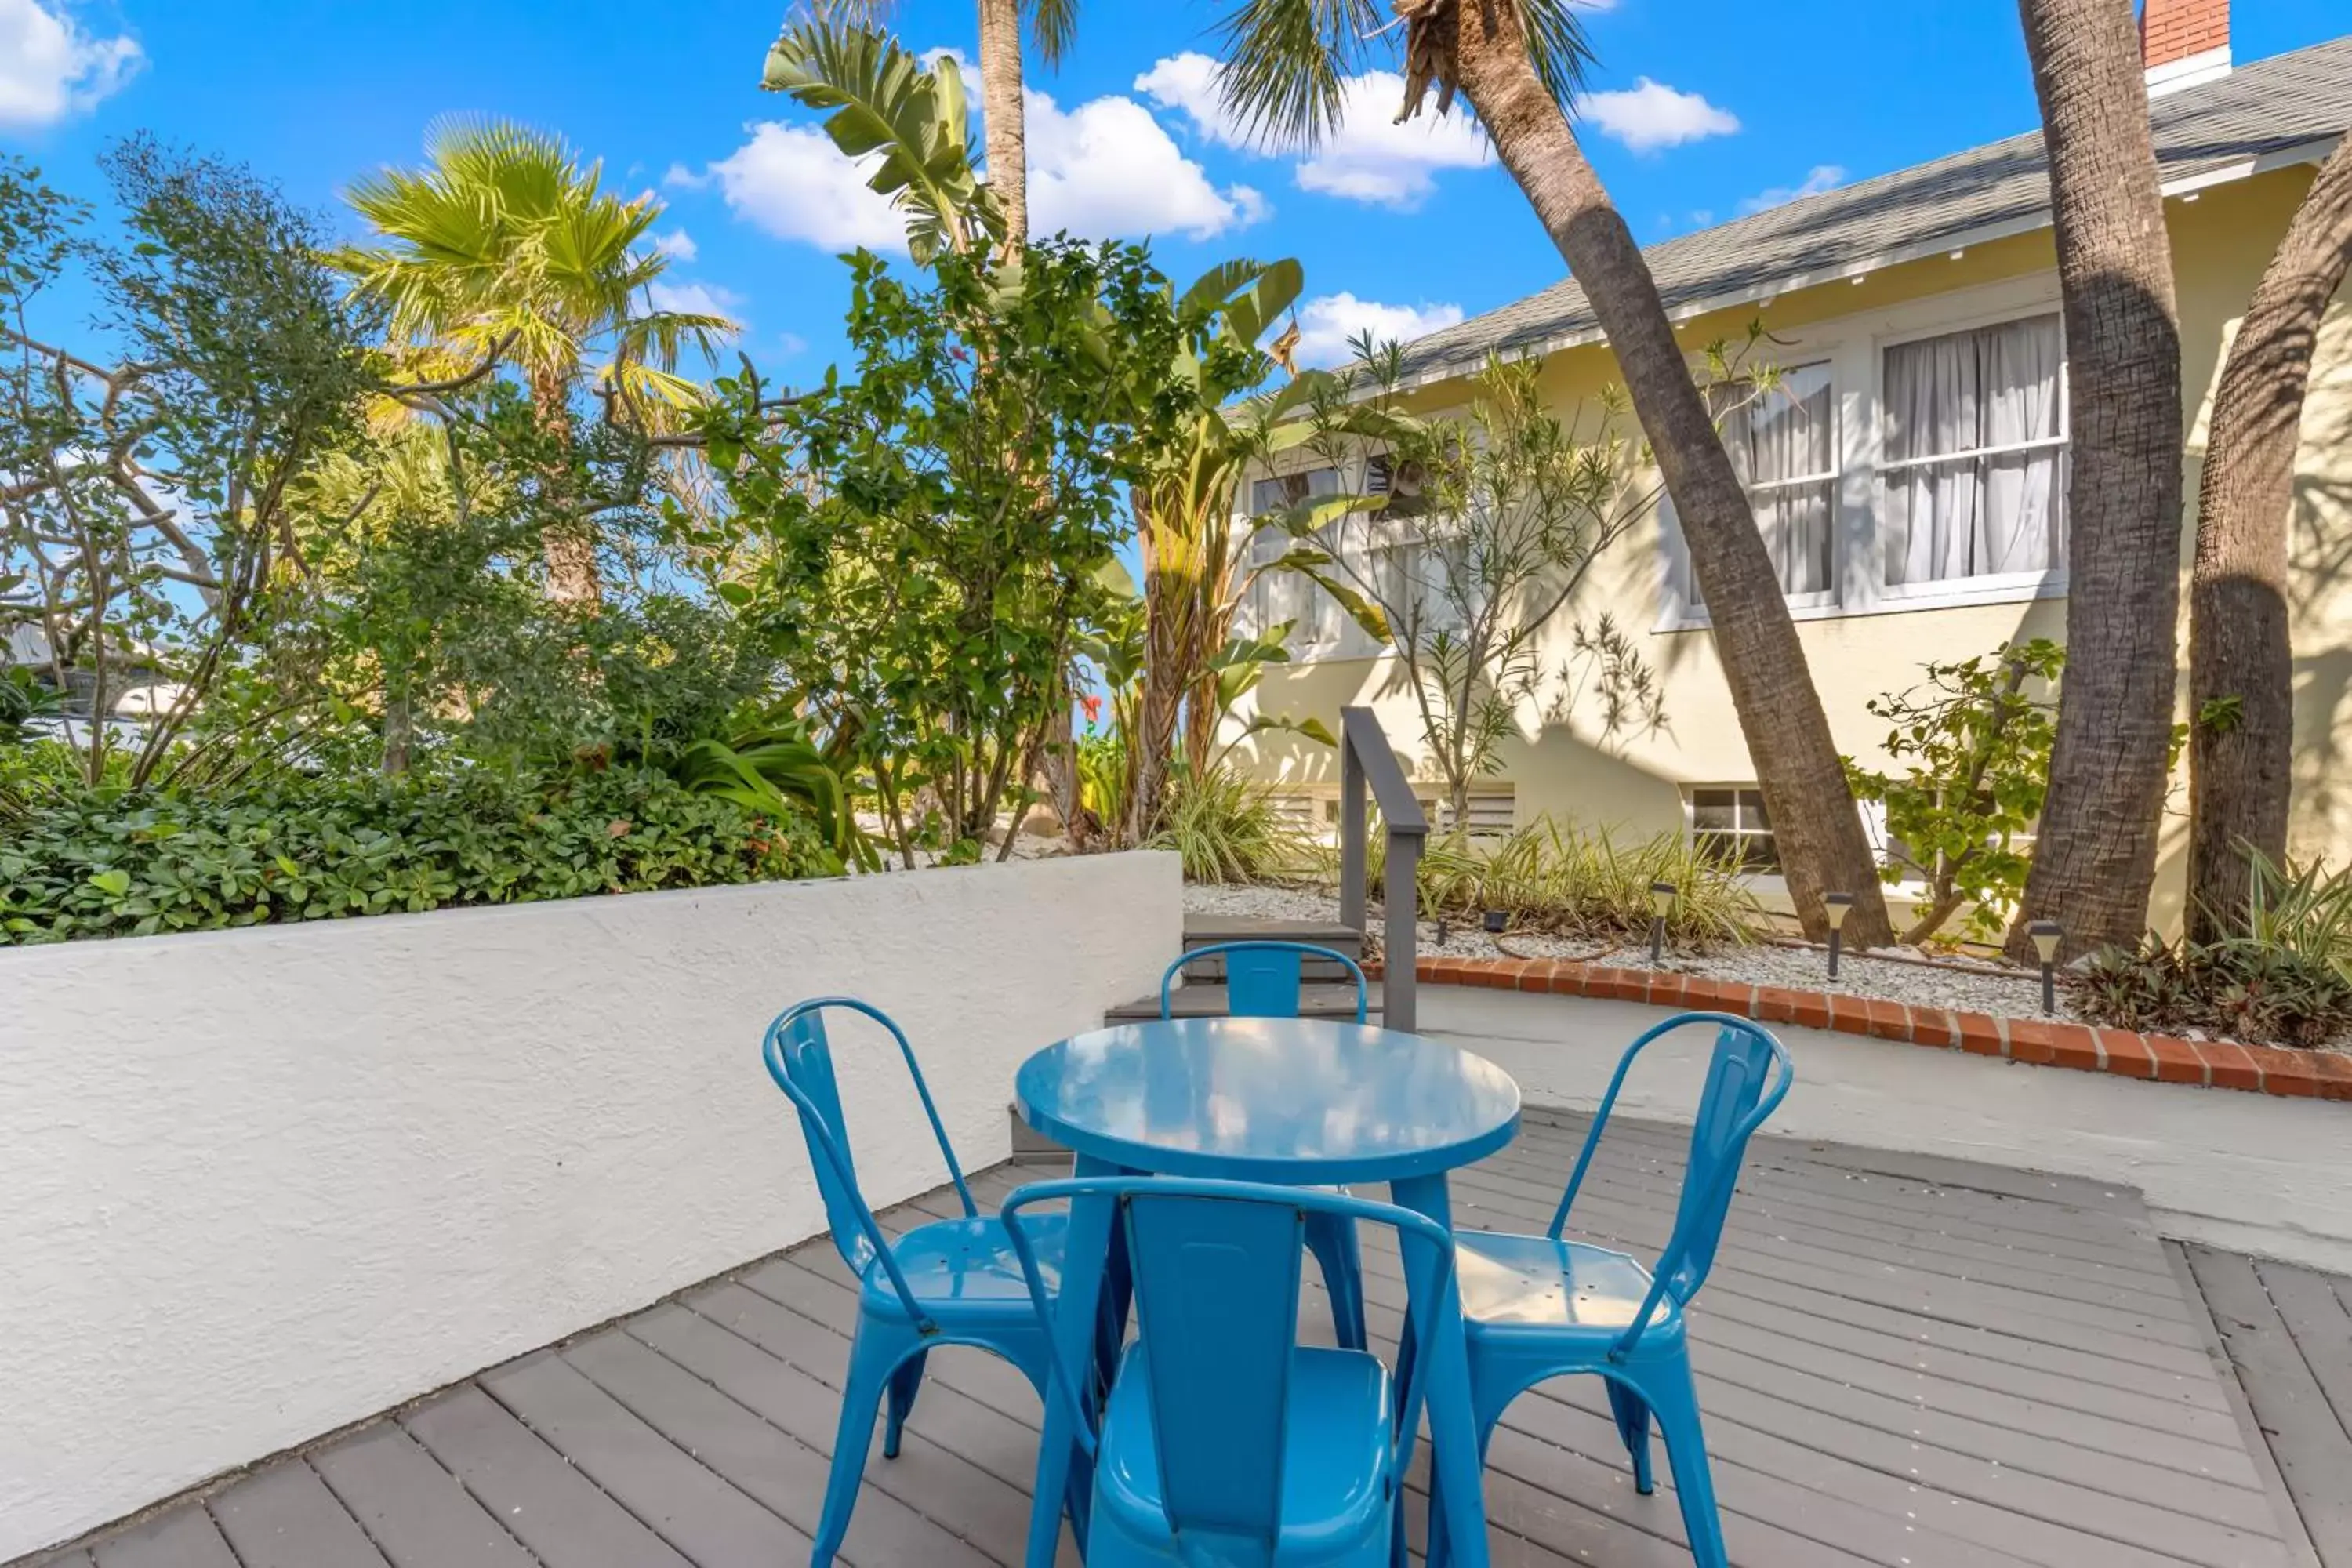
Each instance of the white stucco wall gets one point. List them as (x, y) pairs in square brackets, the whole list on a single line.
[(257, 1184), (2255, 1173)]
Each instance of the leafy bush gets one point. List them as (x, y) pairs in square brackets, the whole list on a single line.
[(1229, 830), (1551, 877), (2302, 909), (107, 862), (1972, 748), (2239, 989)]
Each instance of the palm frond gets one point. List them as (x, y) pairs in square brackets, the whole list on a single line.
[(1054, 30), (1286, 61), (912, 122), (1556, 46)]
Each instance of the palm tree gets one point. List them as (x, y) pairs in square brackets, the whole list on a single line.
[(1519, 62), (2094, 856), (506, 249), (2241, 665)]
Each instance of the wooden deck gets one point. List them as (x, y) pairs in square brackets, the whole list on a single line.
[(2289, 1335), (1902, 1363)]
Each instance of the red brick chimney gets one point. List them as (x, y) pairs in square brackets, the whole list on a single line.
[(2183, 42)]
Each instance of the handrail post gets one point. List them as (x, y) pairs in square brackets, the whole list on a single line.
[(1367, 765), (1399, 972), (1354, 831)]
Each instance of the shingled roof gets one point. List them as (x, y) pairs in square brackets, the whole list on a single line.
[(2282, 109)]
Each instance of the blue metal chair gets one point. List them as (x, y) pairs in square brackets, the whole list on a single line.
[(950, 1282), (1263, 979), (1537, 1307), (1223, 1443)]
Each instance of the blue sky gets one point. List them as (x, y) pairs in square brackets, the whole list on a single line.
[(1700, 109)]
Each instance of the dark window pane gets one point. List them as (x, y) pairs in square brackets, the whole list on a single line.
[(1714, 809), (1762, 852), (1751, 809)]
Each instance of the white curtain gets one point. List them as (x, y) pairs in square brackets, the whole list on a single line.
[(2003, 511), (1279, 596), (1783, 445)]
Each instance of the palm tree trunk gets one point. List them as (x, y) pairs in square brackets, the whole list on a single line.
[(2094, 856), (1003, 118), (2240, 766), (1818, 831), (568, 540)]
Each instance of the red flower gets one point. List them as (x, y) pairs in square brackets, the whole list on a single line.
[(1093, 707)]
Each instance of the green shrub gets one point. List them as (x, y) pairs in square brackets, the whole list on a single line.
[(1551, 877), (2302, 909), (105, 862), (2242, 990), (1228, 829)]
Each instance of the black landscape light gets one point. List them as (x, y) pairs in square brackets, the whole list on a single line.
[(1836, 907)]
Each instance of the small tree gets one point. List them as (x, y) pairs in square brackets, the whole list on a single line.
[(1973, 750), (1486, 526), (937, 530), (149, 506)]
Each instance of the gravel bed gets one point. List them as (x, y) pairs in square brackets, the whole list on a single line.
[(1960, 985)]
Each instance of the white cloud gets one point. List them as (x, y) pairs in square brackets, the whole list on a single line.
[(792, 182), (694, 298), (50, 68), (1650, 115), (1824, 178), (1327, 322), (677, 243), (1105, 168), (792, 343), (1366, 157)]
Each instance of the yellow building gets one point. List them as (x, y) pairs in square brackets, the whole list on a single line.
[(1909, 472)]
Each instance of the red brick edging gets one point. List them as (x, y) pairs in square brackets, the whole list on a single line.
[(2216, 1064)]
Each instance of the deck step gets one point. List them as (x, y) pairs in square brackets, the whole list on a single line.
[(1206, 931), (1198, 999)]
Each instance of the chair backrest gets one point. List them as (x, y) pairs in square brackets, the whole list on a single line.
[(1264, 976), (799, 1057), (1216, 1270), (1747, 1077), (1738, 1078)]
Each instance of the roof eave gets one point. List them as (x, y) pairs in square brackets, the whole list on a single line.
[(2312, 150)]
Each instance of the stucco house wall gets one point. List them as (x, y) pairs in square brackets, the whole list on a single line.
[(1562, 762)]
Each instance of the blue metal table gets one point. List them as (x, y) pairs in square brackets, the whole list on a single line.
[(1302, 1102)]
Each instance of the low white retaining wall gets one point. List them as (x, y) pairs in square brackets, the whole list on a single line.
[(257, 1185), (2254, 1173)]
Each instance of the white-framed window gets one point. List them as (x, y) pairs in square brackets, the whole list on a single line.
[(1782, 436), (1365, 547), (1972, 455), (1729, 827), (1902, 459)]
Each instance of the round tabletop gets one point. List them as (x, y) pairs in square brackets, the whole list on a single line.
[(1297, 1100)]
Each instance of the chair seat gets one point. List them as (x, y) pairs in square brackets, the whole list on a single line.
[(969, 1265), (1534, 1282), (1337, 1450)]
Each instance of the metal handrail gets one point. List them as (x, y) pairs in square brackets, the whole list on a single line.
[(1366, 759)]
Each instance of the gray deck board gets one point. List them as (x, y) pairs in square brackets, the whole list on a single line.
[(1903, 1363), (284, 1517), (2289, 1338), (553, 1510), (417, 1512), (183, 1538), (711, 1523)]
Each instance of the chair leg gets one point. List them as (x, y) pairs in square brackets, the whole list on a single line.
[(1332, 1240), (905, 1384), (1666, 1386), (1441, 1551), (1633, 1415), (873, 1353)]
